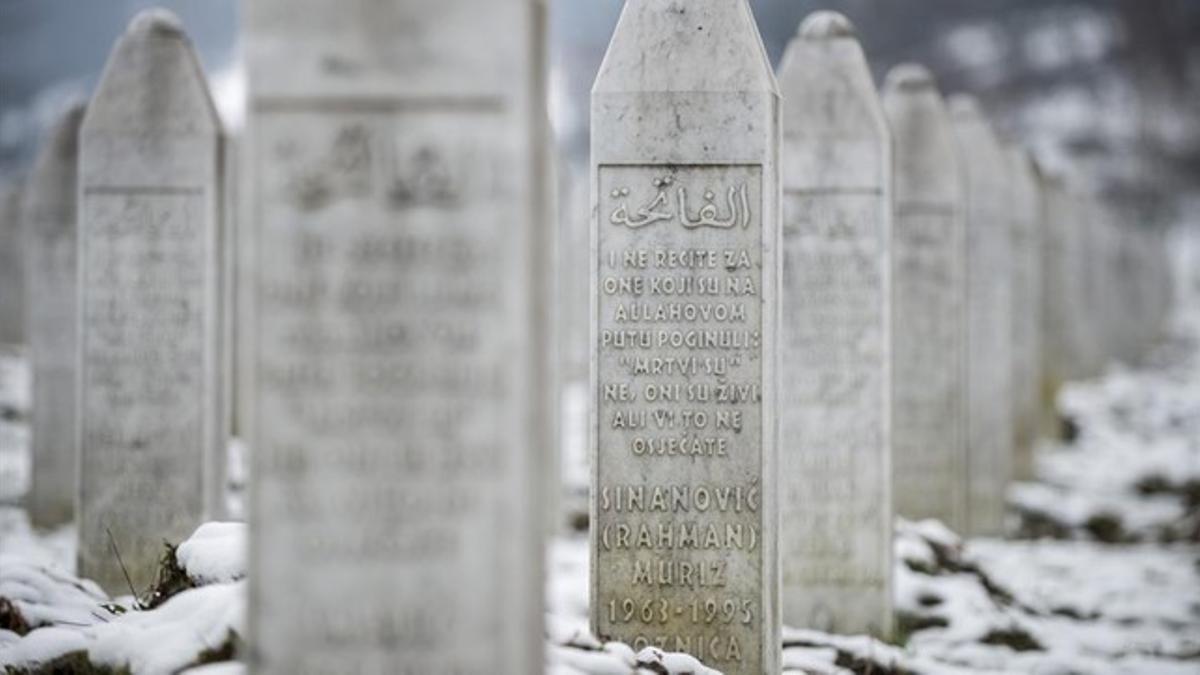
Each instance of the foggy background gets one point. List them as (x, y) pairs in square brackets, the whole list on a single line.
[(1105, 91)]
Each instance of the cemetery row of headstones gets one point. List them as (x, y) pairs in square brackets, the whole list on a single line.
[(814, 306)]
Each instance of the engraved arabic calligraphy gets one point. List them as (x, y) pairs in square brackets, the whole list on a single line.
[(655, 210)]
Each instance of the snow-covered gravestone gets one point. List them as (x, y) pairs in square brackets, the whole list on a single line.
[(48, 224), (928, 330), (150, 423), (685, 148), (989, 317), (835, 452), (12, 267), (394, 173), (1025, 211)]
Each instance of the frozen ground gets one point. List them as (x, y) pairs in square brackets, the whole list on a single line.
[(1101, 576)]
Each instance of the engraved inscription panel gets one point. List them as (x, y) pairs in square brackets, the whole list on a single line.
[(832, 380), (926, 427), (678, 559), (390, 399), (145, 305)]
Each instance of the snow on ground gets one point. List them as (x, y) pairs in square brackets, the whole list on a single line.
[(1132, 473), (1104, 577)]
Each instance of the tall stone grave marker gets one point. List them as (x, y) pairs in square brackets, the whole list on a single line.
[(1079, 222), (395, 177), (12, 267), (928, 329), (150, 256), (685, 147), (989, 317), (49, 227), (1025, 211), (835, 446), (1058, 258)]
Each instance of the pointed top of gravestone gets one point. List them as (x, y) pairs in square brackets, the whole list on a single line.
[(49, 199), (62, 144), (155, 20), (695, 46), (909, 77), (926, 157), (152, 86), (826, 25)]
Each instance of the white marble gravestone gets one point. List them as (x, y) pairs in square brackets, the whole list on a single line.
[(989, 317), (151, 430), (928, 329), (684, 151), (12, 267), (1082, 337), (395, 181), (1089, 348), (1058, 257), (48, 224), (835, 327), (685, 173), (1025, 211)]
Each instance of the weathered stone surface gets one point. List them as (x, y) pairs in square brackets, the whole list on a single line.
[(989, 317), (395, 174), (152, 431), (49, 227), (835, 336), (1025, 211), (928, 314), (12, 267), (685, 124)]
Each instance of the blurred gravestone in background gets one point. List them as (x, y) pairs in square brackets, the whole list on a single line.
[(989, 316), (49, 227), (12, 266), (151, 378), (928, 310), (392, 159), (835, 336), (1025, 211)]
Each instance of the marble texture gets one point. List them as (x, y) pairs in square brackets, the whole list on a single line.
[(835, 336), (685, 273), (152, 421), (928, 315)]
